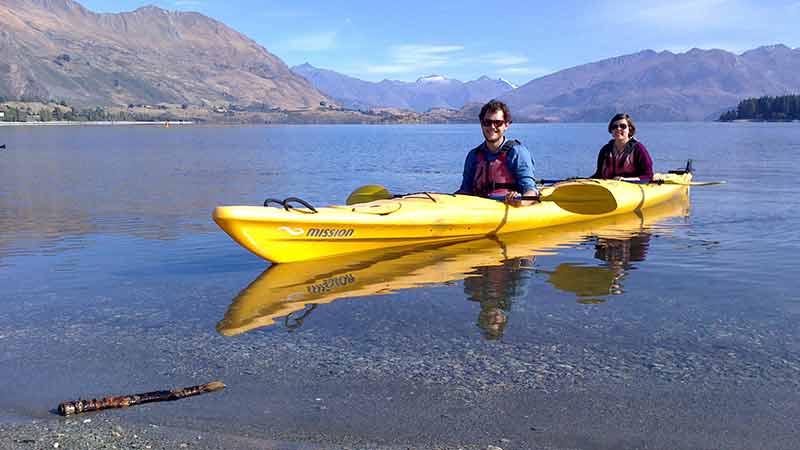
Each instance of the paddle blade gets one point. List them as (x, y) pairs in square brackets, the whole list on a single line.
[(368, 193), (582, 198)]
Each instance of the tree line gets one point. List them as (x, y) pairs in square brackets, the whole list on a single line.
[(63, 112), (782, 108), (13, 114)]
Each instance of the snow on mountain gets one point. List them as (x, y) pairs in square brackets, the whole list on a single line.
[(432, 91)]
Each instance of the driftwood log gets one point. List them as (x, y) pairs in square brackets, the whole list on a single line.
[(81, 406)]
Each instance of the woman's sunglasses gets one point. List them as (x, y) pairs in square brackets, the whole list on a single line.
[(495, 123), (621, 126)]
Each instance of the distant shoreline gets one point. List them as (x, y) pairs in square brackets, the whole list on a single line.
[(758, 120), (102, 122)]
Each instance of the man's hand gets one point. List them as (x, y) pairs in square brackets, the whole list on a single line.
[(514, 199)]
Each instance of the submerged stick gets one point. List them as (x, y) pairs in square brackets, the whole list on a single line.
[(81, 406)]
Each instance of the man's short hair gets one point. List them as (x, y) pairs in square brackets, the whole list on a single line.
[(495, 105)]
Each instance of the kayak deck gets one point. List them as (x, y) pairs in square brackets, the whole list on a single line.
[(298, 233)]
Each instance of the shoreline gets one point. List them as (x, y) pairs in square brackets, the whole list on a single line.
[(618, 415), (103, 122)]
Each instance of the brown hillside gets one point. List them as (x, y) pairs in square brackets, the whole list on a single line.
[(57, 49), (695, 85)]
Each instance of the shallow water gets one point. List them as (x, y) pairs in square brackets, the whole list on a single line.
[(115, 277)]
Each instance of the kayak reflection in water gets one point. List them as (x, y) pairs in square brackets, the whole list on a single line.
[(591, 283), (618, 255), (496, 288)]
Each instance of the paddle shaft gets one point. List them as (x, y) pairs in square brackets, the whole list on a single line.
[(521, 197), (540, 198), (689, 183)]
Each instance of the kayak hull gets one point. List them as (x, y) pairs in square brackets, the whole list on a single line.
[(298, 234)]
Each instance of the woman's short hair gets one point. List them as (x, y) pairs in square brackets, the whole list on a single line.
[(620, 116), (495, 105)]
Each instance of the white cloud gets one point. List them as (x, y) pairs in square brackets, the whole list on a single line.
[(413, 58), (311, 42), (314, 42), (533, 72), (699, 15), (424, 54), (503, 59)]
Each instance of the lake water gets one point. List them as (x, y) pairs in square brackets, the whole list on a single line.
[(678, 329)]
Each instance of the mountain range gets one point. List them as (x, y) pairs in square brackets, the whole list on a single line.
[(695, 85), (434, 91), (57, 49)]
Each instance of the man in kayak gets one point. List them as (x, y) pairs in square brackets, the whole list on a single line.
[(499, 168)]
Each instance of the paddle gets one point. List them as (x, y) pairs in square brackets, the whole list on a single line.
[(541, 181), (579, 198), (680, 183), (556, 180)]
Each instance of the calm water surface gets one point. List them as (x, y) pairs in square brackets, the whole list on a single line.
[(108, 254)]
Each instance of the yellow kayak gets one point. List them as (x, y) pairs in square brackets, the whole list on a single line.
[(284, 289), (296, 233)]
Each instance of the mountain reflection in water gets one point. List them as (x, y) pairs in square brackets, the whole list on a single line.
[(496, 272)]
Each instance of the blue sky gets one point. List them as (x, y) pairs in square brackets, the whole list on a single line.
[(519, 41)]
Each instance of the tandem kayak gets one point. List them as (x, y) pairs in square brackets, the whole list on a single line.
[(285, 289), (292, 233)]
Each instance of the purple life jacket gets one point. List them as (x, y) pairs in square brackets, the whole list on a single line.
[(622, 164)]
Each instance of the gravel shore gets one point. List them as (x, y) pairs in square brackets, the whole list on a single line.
[(389, 380), (101, 432)]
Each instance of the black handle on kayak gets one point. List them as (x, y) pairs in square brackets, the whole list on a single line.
[(288, 200), (286, 203)]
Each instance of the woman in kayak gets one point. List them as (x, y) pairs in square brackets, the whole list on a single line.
[(499, 168), (623, 157)]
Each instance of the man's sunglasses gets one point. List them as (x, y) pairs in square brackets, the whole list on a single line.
[(621, 126), (495, 123)]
